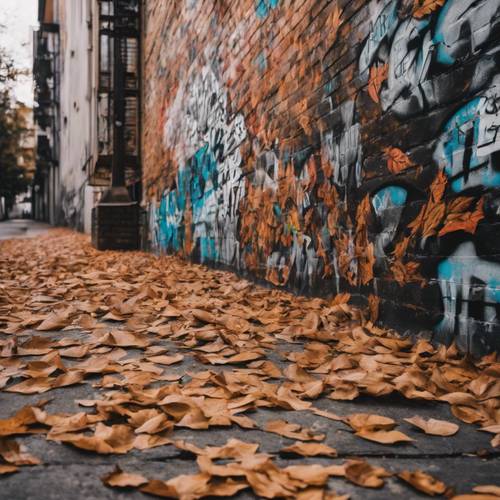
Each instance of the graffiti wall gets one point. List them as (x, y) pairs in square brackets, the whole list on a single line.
[(333, 146)]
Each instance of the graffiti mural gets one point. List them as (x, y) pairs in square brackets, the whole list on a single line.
[(356, 152), (199, 215)]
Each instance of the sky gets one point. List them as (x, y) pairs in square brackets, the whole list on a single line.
[(17, 19)]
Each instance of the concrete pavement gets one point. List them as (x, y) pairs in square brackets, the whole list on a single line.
[(22, 228), (462, 461)]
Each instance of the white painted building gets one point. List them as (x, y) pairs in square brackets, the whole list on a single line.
[(74, 108), (78, 97)]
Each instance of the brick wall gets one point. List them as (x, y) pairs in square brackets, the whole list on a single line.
[(333, 147)]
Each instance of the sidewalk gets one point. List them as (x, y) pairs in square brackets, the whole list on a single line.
[(198, 383), (22, 228)]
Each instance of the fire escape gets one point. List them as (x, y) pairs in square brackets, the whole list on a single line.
[(116, 217), (46, 115)]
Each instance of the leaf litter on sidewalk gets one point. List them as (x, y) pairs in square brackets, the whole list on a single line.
[(232, 329)]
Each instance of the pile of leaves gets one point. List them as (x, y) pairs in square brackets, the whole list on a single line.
[(71, 315)]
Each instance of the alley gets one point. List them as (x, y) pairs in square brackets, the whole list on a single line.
[(125, 375), (22, 228)]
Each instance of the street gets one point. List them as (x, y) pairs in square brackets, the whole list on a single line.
[(21, 228), (126, 375)]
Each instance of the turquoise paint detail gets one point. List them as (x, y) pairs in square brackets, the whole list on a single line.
[(389, 197), (447, 269), (169, 234), (442, 54), (196, 189), (264, 7), (261, 62), (204, 179), (494, 286), (466, 121)]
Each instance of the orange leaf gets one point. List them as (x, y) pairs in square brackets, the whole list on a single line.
[(422, 481), (378, 74), (422, 8), (466, 221), (397, 161)]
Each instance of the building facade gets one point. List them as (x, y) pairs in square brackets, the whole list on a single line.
[(321, 146), (74, 73)]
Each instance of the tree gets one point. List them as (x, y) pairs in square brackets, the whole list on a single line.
[(13, 178)]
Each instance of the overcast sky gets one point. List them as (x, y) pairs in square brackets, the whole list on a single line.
[(18, 17)]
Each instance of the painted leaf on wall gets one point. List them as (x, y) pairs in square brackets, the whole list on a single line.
[(432, 219), (373, 307), (422, 8), (406, 272), (433, 212), (378, 74), (397, 160), (462, 221), (438, 186)]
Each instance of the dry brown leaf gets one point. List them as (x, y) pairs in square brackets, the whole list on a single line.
[(8, 469), (56, 321), (166, 360), (489, 489), (36, 385), (475, 496), (434, 427), (383, 437), (363, 474), (120, 479), (203, 316), (155, 425), (310, 449), (105, 440), (424, 482), (292, 431), (327, 414), (20, 422), (16, 454), (368, 421)]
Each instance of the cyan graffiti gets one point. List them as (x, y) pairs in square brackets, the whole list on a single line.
[(464, 25), (388, 198), (468, 147), (200, 217), (264, 7), (417, 50), (465, 280), (196, 194)]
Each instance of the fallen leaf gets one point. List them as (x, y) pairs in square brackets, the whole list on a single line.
[(8, 469), (363, 474), (16, 454), (166, 360), (489, 489), (424, 482), (55, 321), (434, 427), (384, 437), (292, 431), (120, 479), (310, 449)]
